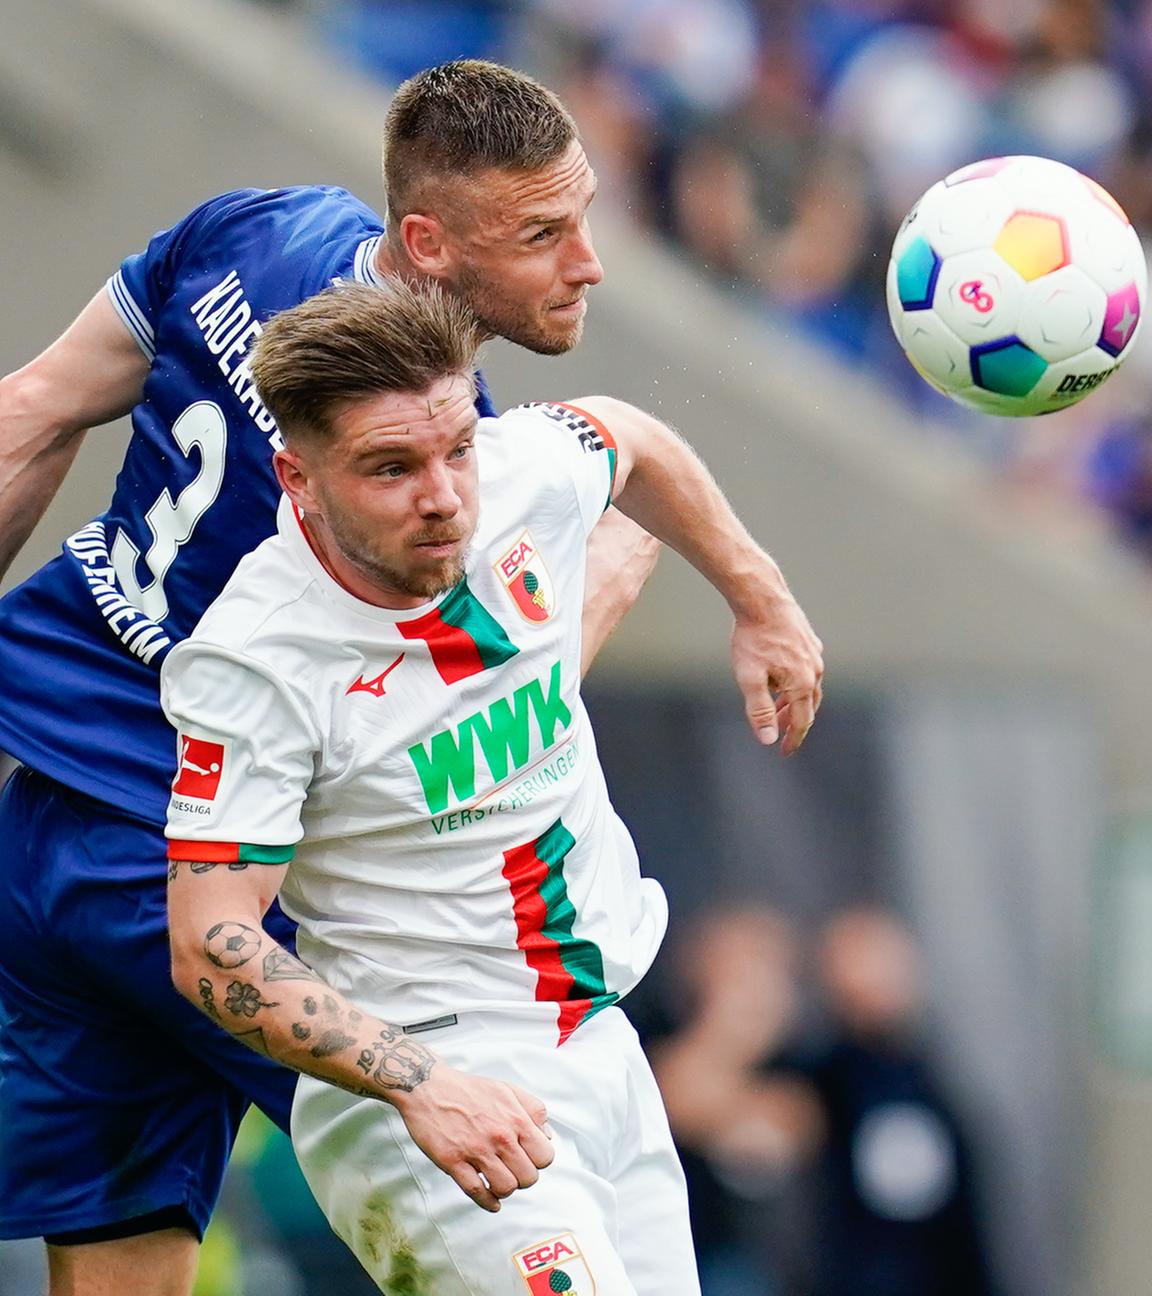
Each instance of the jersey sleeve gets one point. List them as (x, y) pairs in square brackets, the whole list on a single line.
[(139, 289), (245, 751), (584, 447)]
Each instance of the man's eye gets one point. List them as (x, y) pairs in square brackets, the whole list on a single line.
[(462, 451), (542, 236), (391, 470)]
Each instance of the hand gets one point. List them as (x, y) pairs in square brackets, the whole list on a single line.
[(777, 651), (490, 1137)]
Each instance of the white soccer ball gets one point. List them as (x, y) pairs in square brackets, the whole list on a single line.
[(1017, 285)]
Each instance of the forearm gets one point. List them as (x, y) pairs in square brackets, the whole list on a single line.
[(486, 1134), (35, 456), (93, 373), (274, 1003), (621, 556)]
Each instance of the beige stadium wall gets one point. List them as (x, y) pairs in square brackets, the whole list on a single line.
[(117, 115)]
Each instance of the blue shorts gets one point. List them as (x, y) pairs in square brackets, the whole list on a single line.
[(118, 1099)]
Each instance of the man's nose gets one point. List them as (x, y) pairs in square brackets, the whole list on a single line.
[(583, 265), (439, 495)]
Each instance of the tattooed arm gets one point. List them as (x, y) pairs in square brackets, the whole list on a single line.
[(487, 1135)]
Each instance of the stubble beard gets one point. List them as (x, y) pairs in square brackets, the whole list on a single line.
[(501, 318), (414, 583), (425, 585)]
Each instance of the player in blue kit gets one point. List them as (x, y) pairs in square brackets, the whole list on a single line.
[(118, 1101)]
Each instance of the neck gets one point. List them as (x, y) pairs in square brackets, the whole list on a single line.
[(384, 258), (391, 260)]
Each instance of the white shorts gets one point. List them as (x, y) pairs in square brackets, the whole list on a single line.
[(608, 1216)]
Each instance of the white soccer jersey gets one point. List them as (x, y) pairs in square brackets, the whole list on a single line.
[(434, 768)]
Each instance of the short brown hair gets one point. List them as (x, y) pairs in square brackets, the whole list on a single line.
[(468, 116), (352, 342)]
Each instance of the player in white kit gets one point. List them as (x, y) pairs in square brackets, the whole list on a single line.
[(380, 721)]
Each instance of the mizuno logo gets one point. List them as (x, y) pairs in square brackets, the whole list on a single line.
[(373, 686)]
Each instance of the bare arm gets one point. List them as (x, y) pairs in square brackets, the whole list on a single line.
[(487, 1135), (93, 373), (621, 556), (663, 486)]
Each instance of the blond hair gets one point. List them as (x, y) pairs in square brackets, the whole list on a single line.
[(352, 342)]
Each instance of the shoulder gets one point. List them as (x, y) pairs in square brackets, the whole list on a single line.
[(322, 208), (329, 201), (584, 423), (543, 459), (564, 436), (266, 594), (519, 444), (221, 210), (296, 217)]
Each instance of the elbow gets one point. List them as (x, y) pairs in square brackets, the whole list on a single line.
[(28, 399), (22, 392), (185, 981), (186, 964)]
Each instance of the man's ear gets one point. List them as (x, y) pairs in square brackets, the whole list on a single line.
[(292, 474), (428, 246)]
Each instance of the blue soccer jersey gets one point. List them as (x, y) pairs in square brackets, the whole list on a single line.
[(82, 640)]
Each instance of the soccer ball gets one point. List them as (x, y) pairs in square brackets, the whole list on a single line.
[(230, 944), (1016, 286)]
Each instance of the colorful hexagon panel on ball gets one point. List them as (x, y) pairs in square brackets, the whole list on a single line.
[(1007, 367), (916, 275), (1033, 244), (1120, 319)]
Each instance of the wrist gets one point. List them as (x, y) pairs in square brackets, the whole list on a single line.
[(755, 588), (394, 1066)]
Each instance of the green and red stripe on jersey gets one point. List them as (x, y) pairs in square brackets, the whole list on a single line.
[(607, 442), (463, 637), (569, 969), (204, 852)]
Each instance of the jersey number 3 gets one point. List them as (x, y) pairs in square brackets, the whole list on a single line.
[(201, 427)]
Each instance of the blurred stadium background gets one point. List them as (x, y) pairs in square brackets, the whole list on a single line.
[(981, 776)]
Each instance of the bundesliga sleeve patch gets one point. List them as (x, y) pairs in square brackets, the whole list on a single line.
[(555, 1266), (201, 767)]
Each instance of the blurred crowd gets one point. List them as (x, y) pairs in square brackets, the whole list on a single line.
[(779, 143), (823, 1153)]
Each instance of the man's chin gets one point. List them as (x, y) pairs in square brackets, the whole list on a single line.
[(552, 343), (548, 337), (429, 584)]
